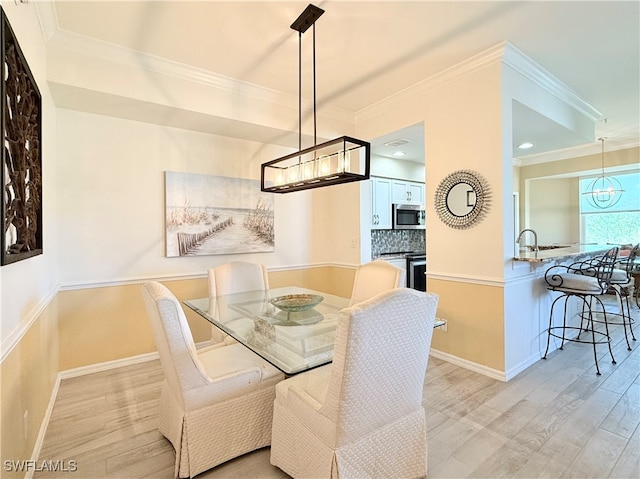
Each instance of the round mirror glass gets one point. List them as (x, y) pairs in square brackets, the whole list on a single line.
[(461, 199)]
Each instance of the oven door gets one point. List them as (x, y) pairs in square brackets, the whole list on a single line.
[(416, 274)]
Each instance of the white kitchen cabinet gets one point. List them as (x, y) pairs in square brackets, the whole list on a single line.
[(381, 203), (408, 192)]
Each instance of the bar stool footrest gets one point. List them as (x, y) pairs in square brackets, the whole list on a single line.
[(605, 338), (621, 322)]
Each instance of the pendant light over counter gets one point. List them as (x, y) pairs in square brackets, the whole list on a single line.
[(342, 160), (603, 191)]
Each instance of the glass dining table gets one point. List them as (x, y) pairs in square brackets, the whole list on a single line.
[(293, 328)]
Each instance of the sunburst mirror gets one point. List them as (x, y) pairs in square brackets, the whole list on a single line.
[(462, 199)]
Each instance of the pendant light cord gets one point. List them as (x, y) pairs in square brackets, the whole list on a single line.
[(602, 154), (315, 122), (314, 87), (299, 91)]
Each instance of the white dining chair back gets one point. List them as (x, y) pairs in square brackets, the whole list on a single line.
[(233, 278), (178, 357), (237, 277), (375, 277), (362, 416), (216, 403)]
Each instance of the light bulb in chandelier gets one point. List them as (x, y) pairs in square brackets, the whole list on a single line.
[(604, 191)]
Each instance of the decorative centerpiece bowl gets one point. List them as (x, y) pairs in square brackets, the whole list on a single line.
[(296, 302)]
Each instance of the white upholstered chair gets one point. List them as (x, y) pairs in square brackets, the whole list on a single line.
[(231, 278), (374, 278), (362, 415), (216, 404)]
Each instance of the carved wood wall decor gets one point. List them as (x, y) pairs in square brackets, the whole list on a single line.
[(21, 119)]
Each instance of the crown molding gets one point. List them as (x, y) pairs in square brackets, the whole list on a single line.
[(527, 67), (470, 65), (56, 37), (503, 52), (48, 19)]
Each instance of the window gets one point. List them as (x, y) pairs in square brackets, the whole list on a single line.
[(619, 224)]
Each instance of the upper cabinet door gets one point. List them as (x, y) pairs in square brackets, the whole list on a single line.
[(416, 193), (408, 192), (380, 203), (400, 192)]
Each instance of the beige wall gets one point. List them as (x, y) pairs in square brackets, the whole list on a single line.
[(554, 211), (103, 324), (27, 377), (474, 315)]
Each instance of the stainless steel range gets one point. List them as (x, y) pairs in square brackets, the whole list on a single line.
[(416, 271)]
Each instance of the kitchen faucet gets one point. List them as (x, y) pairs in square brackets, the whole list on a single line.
[(535, 237)]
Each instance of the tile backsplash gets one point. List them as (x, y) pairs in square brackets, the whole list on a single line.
[(389, 241)]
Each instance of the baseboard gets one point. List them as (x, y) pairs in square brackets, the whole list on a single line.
[(514, 371), (43, 427), (475, 367), (99, 367)]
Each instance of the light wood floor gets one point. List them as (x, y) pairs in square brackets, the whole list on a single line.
[(556, 419)]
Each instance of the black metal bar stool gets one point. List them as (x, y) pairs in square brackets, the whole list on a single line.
[(586, 281), (622, 283)]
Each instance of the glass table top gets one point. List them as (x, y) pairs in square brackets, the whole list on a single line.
[(294, 337)]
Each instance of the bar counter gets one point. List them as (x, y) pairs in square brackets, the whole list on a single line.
[(564, 253)]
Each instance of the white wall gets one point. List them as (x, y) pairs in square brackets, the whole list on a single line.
[(390, 168), (447, 116), (27, 286), (111, 212)]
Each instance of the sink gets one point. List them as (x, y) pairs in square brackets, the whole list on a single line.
[(545, 247)]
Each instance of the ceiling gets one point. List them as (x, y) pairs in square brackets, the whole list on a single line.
[(367, 51)]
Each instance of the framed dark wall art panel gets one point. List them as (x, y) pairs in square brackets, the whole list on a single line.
[(21, 119)]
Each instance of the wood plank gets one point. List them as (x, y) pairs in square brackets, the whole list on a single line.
[(551, 460), (544, 425), (583, 422), (624, 418), (597, 457), (549, 421), (628, 464)]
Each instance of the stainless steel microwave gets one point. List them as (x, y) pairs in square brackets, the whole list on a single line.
[(408, 217)]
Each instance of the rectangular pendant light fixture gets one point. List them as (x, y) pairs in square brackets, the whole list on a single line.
[(342, 160)]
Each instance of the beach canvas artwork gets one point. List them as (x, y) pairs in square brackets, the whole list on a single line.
[(207, 215)]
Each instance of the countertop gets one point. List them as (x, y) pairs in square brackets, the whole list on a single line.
[(398, 255), (560, 254)]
